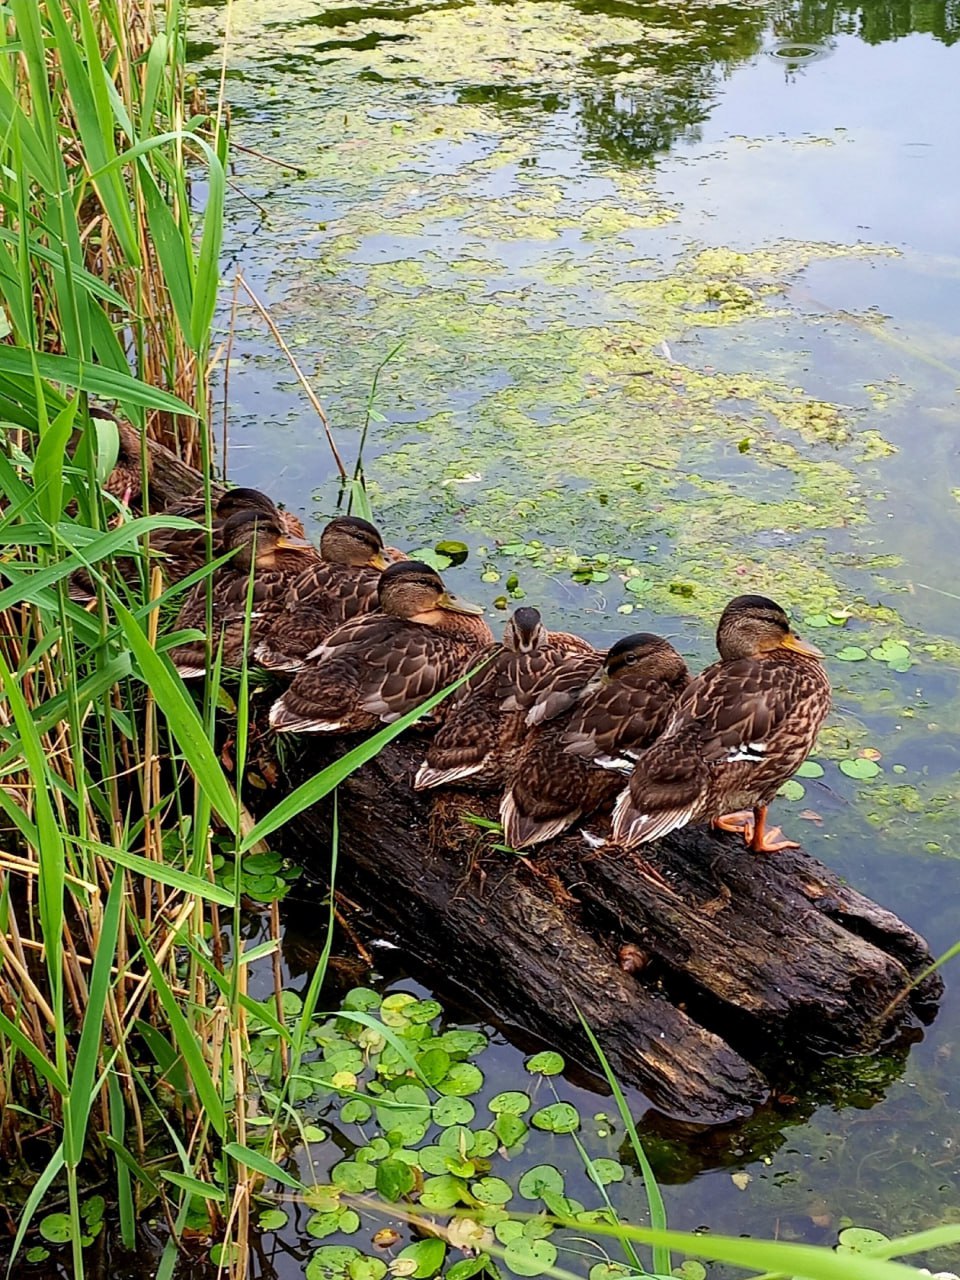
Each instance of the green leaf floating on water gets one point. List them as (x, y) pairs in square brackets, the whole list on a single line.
[(513, 1102), (527, 1257), (862, 770), (559, 1117), (859, 1240), (851, 653), (810, 769), (453, 1110), (608, 1170), (462, 1079), (394, 1179), (492, 1191), (332, 1262), (547, 1063), (509, 1128), (428, 1256), (541, 1178), (442, 1192)]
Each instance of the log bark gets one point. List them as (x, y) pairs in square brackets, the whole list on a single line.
[(699, 985), (749, 958)]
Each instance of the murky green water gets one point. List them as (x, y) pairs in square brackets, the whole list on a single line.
[(676, 291)]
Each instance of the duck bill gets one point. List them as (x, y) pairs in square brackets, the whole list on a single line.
[(794, 642), (381, 560), (455, 605), (287, 542)]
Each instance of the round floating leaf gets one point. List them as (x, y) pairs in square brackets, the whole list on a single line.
[(332, 1262), (325, 1199), (485, 1143), (462, 1079), (509, 1129), (427, 555), (356, 1111), (367, 1268), (859, 1240), (452, 1110), (467, 1268), (810, 769), (394, 1179), (323, 1224), (360, 998), (859, 769), (547, 1063), (455, 552), (538, 1228), (433, 1159), (376, 1149), (442, 1192), (428, 1256), (55, 1227), (457, 1140), (527, 1257), (851, 653), (349, 1222), (559, 1117), (816, 620), (272, 1219), (609, 1271), (423, 1011), (37, 1254), (639, 587), (541, 1178), (509, 1230), (792, 790), (463, 1042), (513, 1103), (608, 1170), (353, 1176), (434, 1063), (690, 1269), (492, 1191)]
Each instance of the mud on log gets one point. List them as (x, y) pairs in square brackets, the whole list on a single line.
[(735, 962), (738, 956)]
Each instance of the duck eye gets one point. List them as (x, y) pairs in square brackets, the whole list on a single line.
[(631, 659)]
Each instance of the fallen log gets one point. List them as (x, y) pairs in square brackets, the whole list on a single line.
[(698, 989), (700, 985)]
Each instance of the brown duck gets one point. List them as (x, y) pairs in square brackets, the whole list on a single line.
[(372, 670), (185, 550), (479, 734), (740, 730), (260, 544), (341, 585), (586, 715)]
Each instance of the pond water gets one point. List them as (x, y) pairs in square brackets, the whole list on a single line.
[(664, 304)]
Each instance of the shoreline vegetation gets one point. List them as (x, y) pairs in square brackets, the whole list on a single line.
[(127, 1030)]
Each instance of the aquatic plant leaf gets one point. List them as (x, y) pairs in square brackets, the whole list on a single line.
[(527, 1257), (558, 1117), (492, 1191), (428, 1255), (547, 1063), (860, 769), (540, 1179), (453, 1110), (394, 1179), (513, 1102)]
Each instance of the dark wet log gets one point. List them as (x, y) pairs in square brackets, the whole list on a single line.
[(742, 959), (170, 478), (699, 987)]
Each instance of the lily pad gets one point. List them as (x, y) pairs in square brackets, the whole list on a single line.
[(851, 653), (540, 1179), (792, 790), (492, 1191), (331, 1262), (394, 1179), (462, 1079), (810, 769), (558, 1117), (513, 1103), (860, 769), (453, 1110), (547, 1063), (527, 1257), (608, 1170), (442, 1192), (428, 1256)]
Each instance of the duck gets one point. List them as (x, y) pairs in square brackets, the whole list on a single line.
[(125, 481), (373, 669), (259, 542), (483, 724), (582, 720), (341, 585), (739, 731), (184, 551)]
